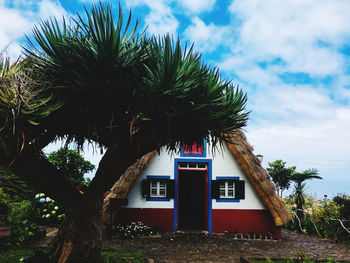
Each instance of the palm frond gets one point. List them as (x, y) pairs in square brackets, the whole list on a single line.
[(305, 175)]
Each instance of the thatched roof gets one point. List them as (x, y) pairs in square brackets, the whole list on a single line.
[(258, 177), (123, 187), (242, 152)]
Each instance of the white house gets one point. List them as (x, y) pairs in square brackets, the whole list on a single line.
[(196, 190)]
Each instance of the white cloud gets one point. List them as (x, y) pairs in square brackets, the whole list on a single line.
[(160, 19), (321, 144), (197, 6), (18, 20), (13, 25), (301, 33), (49, 8), (304, 124), (206, 37)]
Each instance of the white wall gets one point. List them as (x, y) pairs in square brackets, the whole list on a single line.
[(162, 164), (223, 164)]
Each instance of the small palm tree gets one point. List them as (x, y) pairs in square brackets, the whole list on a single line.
[(300, 187)]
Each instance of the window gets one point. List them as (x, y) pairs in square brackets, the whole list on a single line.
[(158, 188), (227, 189)]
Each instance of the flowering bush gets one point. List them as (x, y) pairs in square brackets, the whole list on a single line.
[(133, 230), (49, 211)]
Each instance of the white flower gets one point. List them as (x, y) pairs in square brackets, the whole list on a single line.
[(42, 195), (56, 207), (37, 195), (48, 199), (47, 215)]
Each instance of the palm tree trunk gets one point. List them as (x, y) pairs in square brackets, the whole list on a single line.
[(300, 210)]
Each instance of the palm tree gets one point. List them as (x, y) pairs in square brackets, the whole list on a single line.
[(300, 187), (99, 81)]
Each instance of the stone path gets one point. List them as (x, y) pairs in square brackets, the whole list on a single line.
[(216, 248)]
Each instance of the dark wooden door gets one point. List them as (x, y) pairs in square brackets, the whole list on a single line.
[(192, 200)]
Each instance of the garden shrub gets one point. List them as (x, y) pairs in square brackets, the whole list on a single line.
[(23, 229), (344, 204), (4, 208), (321, 214)]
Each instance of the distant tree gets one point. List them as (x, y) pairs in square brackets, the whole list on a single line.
[(70, 164), (280, 175), (300, 187)]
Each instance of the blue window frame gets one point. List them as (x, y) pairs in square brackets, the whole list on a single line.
[(160, 188), (227, 189)]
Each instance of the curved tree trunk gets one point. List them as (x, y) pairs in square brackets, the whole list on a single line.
[(123, 187), (300, 210), (79, 239), (80, 236)]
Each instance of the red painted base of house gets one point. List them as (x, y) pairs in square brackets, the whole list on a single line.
[(158, 217), (230, 220), (244, 221)]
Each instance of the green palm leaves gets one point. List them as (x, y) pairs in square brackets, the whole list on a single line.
[(94, 53), (185, 99), (113, 82), (308, 174)]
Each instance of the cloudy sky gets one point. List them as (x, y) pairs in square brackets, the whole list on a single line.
[(292, 57)]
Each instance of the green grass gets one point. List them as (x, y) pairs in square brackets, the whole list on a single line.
[(14, 255), (122, 256)]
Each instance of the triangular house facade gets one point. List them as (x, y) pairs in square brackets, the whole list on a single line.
[(195, 190)]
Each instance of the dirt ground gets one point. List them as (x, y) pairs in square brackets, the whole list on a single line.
[(216, 248), (224, 248)]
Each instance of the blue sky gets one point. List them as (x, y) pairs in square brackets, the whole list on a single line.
[(292, 58)]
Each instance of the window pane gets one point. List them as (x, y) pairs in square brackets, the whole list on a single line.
[(162, 184), (154, 192), (222, 185), (230, 185), (162, 192), (230, 193), (153, 184), (222, 193)]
